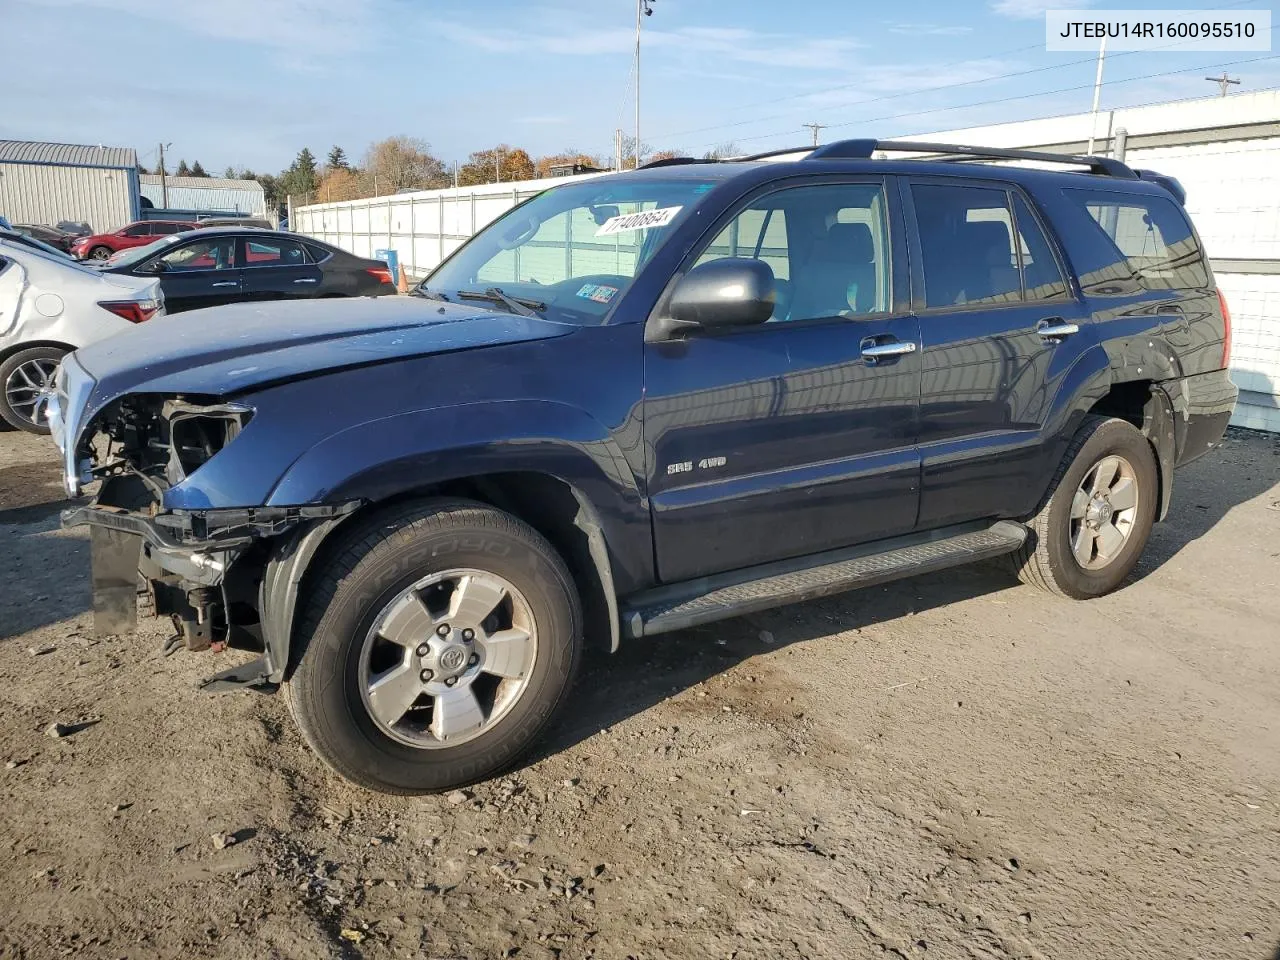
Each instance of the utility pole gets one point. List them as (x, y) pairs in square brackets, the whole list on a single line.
[(1097, 93), (497, 170), (644, 8), (1223, 81), (617, 149), (164, 183), (815, 127)]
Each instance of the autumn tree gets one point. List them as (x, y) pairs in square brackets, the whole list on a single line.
[(502, 163), (664, 155), (342, 183), (403, 163), (566, 157)]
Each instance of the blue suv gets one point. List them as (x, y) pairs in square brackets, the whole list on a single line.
[(640, 402)]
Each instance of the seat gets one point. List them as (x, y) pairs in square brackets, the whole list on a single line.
[(838, 276), (991, 274)]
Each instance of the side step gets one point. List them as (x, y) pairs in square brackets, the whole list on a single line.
[(733, 594)]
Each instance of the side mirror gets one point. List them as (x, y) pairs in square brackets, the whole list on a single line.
[(732, 292)]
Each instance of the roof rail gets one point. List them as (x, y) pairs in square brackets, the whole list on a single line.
[(674, 162), (865, 149)]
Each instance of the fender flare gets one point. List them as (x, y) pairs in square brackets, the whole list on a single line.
[(1158, 426)]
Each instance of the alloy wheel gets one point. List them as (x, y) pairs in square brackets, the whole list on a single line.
[(1103, 511), (30, 387), (447, 658)]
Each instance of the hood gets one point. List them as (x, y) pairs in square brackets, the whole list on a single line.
[(225, 350)]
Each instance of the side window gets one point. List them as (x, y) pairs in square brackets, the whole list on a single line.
[(1148, 238), (317, 254), (272, 252), (828, 247), (168, 228), (1041, 276), (138, 230), (966, 242), (213, 254)]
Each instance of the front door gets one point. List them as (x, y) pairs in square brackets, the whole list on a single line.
[(199, 273), (783, 439), (1000, 330), (278, 268)]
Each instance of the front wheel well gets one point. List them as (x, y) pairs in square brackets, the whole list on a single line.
[(552, 507)]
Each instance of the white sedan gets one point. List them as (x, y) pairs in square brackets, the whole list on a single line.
[(49, 306)]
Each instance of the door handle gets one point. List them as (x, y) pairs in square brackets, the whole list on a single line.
[(873, 352), (1055, 328), (305, 280), (227, 283)]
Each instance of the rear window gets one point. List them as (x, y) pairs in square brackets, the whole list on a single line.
[(1148, 241)]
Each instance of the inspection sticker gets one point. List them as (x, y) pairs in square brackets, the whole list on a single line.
[(599, 292), (644, 220)]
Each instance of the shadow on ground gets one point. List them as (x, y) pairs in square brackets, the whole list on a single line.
[(645, 672)]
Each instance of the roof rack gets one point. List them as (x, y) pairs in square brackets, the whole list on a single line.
[(865, 149)]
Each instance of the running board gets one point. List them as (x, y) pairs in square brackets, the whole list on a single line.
[(724, 595)]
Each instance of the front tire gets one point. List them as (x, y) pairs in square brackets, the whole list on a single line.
[(100, 253), (26, 386), (1090, 532), (434, 647)]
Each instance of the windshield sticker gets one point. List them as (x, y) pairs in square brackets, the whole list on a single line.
[(644, 220), (599, 292)]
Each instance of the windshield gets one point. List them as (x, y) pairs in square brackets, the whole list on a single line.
[(135, 255), (570, 252)]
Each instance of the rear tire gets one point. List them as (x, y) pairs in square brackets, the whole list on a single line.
[(1090, 531), (394, 606), (26, 380)]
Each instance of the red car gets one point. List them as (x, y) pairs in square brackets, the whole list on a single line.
[(102, 245)]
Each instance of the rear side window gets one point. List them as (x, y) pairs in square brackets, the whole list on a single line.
[(273, 253), (1148, 239), (317, 254), (966, 240)]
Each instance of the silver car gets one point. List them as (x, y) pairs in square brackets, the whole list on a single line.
[(49, 306)]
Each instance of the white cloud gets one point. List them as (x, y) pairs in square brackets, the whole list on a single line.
[(929, 29), (303, 28), (1034, 9)]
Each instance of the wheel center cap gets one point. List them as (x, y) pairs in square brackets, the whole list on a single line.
[(453, 658), (1099, 512)]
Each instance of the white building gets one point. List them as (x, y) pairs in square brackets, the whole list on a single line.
[(203, 195), (49, 182)]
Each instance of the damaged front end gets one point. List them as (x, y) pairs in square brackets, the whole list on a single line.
[(225, 576)]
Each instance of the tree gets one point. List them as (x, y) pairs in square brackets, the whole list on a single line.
[(299, 181), (501, 163), (664, 155), (337, 159), (342, 183), (723, 151), (183, 169), (568, 156), (142, 170), (629, 152), (197, 170), (229, 173), (403, 163)]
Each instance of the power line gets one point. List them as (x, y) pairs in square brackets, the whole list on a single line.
[(1026, 96)]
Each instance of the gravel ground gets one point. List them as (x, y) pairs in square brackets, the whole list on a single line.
[(954, 765)]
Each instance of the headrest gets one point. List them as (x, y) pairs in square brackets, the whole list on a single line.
[(850, 241)]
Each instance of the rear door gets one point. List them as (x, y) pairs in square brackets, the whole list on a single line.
[(277, 268), (200, 273), (783, 439), (1000, 327)]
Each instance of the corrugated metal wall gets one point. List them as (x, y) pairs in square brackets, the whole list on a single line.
[(245, 200), (99, 196)]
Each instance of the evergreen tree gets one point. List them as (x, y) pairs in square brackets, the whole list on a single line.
[(197, 170), (183, 169), (337, 159)]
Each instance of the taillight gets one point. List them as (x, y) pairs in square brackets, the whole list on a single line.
[(135, 311), (379, 273), (1226, 331)]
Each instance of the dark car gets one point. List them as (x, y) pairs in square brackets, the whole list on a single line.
[(25, 238), (217, 265), (642, 402), (50, 236)]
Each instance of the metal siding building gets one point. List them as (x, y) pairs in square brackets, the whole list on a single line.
[(48, 182), (206, 194)]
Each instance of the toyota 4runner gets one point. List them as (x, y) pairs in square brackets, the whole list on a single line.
[(645, 401)]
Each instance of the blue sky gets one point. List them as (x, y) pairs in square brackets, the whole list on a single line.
[(250, 82)]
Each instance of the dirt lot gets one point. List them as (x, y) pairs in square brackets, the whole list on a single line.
[(953, 765)]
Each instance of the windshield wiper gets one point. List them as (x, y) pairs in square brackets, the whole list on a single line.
[(421, 291), (521, 305)]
